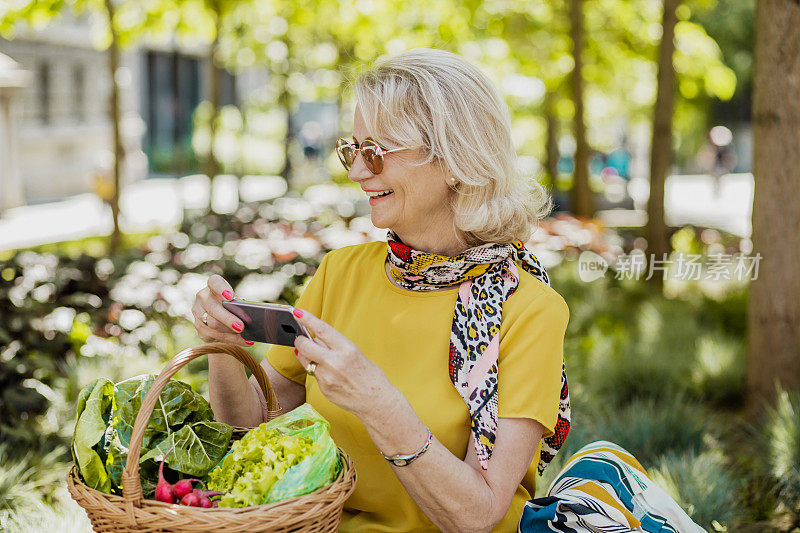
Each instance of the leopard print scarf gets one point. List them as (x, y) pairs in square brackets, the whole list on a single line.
[(487, 276)]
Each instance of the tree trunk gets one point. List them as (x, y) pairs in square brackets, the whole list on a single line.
[(284, 102), (551, 143), (212, 163), (582, 201), (774, 303), (661, 145), (116, 121)]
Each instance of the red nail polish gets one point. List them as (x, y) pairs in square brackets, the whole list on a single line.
[(298, 313), (237, 326), (228, 295), (249, 343), (295, 351)]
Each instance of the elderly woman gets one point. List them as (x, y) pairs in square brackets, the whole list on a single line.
[(437, 356)]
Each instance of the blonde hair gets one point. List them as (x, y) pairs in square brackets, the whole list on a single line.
[(436, 101)]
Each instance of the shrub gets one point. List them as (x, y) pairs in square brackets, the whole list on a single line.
[(782, 438), (647, 428), (26, 482), (703, 485), (718, 373)]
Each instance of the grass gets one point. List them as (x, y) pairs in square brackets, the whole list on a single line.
[(782, 442), (28, 481), (63, 516), (703, 485)]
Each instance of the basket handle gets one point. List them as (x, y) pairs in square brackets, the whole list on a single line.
[(131, 484)]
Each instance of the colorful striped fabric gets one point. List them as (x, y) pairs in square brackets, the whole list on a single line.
[(603, 488)]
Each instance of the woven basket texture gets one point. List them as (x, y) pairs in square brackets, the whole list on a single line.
[(319, 511)]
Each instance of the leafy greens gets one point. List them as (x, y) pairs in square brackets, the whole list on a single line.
[(182, 418), (291, 455)]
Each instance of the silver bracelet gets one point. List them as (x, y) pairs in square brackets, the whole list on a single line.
[(404, 460)]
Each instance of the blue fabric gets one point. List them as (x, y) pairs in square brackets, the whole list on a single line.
[(631, 501)]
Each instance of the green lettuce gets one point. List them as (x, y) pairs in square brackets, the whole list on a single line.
[(286, 457)]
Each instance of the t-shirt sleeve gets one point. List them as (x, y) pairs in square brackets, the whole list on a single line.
[(282, 358), (531, 354)]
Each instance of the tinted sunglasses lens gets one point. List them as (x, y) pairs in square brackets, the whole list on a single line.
[(346, 151), (373, 158)]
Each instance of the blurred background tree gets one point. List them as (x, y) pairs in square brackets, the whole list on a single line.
[(774, 310), (661, 144)]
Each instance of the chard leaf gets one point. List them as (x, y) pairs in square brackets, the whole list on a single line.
[(181, 418), (94, 405), (197, 447)]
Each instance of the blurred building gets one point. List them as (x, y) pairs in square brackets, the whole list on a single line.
[(13, 78), (64, 127)]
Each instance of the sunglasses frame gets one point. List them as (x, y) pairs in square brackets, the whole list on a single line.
[(376, 167)]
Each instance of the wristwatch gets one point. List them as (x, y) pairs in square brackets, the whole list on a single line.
[(404, 460)]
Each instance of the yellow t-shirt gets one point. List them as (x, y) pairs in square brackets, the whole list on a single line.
[(407, 334)]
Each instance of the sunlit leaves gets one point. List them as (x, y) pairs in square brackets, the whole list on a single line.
[(699, 58), (312, 49)]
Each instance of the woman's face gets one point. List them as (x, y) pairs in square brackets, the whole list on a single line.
[(420, 201)]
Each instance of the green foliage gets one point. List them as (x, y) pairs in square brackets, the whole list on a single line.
[(180, 427), (663, 377), (93, 411), (621, 335), (289, 456), (782, 441), (132, 20), (312, 51), (718, 371), (650, 429), (732, 25), (703, 485), (63, 516), (27, 479)]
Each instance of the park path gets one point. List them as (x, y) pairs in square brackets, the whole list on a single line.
[(146, 205), (154, 204)]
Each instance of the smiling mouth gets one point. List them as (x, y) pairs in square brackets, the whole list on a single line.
[(381, 195)]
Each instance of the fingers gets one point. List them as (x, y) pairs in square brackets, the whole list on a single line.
[(226, 320), (207, 334), (214, 328), (220, 287), (322, 330), (308, 350), (302, 359)]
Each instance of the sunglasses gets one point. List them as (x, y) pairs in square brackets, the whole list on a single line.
[(370, 151)]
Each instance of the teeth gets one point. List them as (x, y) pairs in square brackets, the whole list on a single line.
[(379, 194)]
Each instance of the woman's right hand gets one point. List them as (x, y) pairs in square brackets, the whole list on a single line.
[(221, 325)]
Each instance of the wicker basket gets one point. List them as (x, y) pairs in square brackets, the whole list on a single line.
[(319, 511)]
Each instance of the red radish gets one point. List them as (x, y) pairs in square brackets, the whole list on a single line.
[(183, 487), (205, 497), (207, 493), (191, 499), (164, 492)]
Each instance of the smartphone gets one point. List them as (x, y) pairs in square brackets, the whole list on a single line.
[(269, 323)]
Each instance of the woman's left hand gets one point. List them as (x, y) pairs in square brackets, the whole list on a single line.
[(344, 374)]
